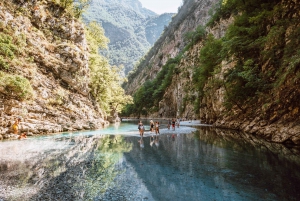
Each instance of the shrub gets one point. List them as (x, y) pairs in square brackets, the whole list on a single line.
[(3, 64), (7, 49), (210, 59), (15, 86), (262, 43)]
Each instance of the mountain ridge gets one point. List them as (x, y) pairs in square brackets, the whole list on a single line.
[(132, 29)]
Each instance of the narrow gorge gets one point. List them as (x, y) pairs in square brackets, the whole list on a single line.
[(231, 64), (210, 112)]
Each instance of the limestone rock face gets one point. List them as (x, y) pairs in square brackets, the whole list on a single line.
[(275, 122), (54, 58), (189, 17)]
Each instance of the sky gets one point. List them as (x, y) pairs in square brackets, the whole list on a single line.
[(162, 6)]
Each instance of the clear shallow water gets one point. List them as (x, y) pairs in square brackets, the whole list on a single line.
[(114, 164)]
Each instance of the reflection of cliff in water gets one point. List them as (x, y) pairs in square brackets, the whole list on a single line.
[(196, 164), (68, 168), (267, 161), (244, 142)]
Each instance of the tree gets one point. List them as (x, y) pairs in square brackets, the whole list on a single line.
[(119, 100), (105, 80), (80, 6)]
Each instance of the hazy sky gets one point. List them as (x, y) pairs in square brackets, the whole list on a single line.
[(162, 6)]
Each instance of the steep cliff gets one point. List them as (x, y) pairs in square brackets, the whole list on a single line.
[(44, 73), (190, 16), (236, 70)]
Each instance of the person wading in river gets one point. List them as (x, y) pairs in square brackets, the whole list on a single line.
[(151, 126), (173, 124), (157, 128), (141, 129)]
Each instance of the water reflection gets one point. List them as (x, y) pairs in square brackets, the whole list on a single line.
[(209, 164), (73, 168), (154, 141), (216, 165), (141, 141)]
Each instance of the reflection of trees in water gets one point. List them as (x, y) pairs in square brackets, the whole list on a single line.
[(267, 165), (239, 141), (80, 170), (217, 159), (102, 171)]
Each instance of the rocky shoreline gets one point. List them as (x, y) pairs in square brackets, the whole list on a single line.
[(278, 133), (38, 127)]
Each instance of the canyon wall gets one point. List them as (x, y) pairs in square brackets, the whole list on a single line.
[(51, 56), (276, 121)]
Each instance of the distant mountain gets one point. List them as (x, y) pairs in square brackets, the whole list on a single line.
[(132, 29)]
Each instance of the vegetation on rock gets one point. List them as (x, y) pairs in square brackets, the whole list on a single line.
[(15, 86), (132, 30), (263, 44), (153, 91), (105, 79), (254, 62), (51, 71)]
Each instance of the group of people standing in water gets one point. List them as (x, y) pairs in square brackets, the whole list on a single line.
[(172, 123), (154, 126)]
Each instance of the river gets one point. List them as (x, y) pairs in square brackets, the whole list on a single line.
[(190, 163)]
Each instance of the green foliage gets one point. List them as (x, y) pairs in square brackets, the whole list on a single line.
[(7, 48), (210, 59), (168, 32), (193, 37), (96, 32), (261, 43), (148, 96), (105, 81), (3, 64), (10, 46), (80, 6), (15, 86), (261, 47), (132, 30), (75, 8), (65, 3)]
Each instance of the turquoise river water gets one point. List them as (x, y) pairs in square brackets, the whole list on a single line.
[(115, 163)]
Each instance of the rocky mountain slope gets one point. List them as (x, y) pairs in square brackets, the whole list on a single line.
[(232, 71), (44, 69), (132, 29)]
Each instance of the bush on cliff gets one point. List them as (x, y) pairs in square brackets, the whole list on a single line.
[(7, 50), (262, 44), (15, 86)]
